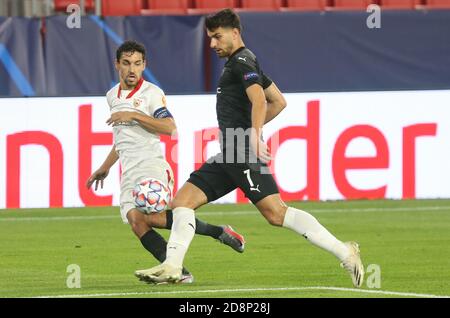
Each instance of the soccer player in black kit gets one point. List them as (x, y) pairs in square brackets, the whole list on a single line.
[(246, 100)]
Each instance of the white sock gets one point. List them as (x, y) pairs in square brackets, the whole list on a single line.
[(183, 230), (307, 225)]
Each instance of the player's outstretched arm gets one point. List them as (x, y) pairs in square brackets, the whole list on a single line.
[(275, 102), (101, 173)]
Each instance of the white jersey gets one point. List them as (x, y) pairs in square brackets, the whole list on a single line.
[(139, 150), (147, 99)]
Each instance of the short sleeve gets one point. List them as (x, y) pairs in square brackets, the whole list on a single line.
[(110, 95), (267, 81), (158, 105), (248, 74)]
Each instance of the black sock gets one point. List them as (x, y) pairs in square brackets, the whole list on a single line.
[(156, 245), (169, 219), (204, 228), (201, 227)]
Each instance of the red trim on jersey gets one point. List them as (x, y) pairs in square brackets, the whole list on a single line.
[(138, 86), (169, 178)]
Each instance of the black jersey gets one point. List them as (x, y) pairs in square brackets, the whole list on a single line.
[(224, 172), (233, 107)]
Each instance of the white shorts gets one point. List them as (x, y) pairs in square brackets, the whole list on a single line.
[(158, 169)]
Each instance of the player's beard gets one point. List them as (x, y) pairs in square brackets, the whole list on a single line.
[(131, 83), (225, 52), (221, 53)]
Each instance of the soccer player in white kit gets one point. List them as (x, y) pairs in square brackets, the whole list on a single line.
[(138, 116)]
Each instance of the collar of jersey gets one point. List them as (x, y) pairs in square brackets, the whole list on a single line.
[(236, 52), (138, 86)]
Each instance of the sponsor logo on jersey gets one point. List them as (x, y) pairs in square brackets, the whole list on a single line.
[(251, 75)]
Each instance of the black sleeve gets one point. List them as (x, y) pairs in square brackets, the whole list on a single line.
[(267, 81), (248, 73)]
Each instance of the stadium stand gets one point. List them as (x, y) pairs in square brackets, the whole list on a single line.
[(306, 5), (166, 7), (260, 5), (121, 8), (351, 4), (209, 6), (436, 4), (407, 33), (61, 5), (193, 7), (400, 4)]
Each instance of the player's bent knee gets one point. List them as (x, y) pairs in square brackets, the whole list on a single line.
[(181, 203), (189, 196), (139, 228)]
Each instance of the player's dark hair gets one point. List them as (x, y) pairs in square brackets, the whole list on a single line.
[(226, 18), (130, 46)]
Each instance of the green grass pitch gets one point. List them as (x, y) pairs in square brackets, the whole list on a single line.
[(408, 240)]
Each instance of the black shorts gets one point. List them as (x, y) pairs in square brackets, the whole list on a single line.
[(217, 179)]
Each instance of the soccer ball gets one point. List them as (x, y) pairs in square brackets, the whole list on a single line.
[(151, 196)]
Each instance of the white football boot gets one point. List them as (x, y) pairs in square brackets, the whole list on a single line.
[(353, 264), (163, 273)]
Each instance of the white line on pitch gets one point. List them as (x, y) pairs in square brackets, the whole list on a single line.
[(245, 290), (60, 218), (229, 213)]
